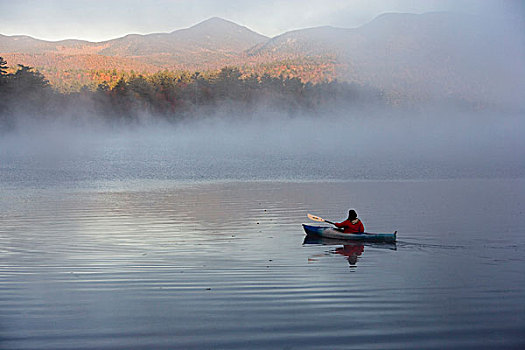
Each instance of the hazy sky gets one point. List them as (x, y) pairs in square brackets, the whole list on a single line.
[(98, 20)]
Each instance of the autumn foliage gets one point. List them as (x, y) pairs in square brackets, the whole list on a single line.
[(172, 95)]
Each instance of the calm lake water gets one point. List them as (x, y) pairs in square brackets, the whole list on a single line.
[(98, 251)]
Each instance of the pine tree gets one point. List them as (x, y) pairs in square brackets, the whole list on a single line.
[(3, 71), (3, 66)]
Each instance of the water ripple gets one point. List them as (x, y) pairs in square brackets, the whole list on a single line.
[(225, 266)]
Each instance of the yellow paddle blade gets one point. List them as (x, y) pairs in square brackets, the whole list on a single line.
[(315, 218)]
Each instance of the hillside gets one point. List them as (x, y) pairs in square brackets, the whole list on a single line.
[(28, 45), (419, 57), (210, 44), (214, 42), (437, 55)]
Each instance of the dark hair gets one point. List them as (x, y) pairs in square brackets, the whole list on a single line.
[(352, 215)]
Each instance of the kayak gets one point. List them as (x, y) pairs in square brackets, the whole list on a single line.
[(330, 232)]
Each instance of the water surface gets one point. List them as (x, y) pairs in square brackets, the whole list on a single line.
[(165, 264)]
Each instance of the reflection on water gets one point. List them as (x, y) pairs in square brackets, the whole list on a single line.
[(225, 265), (351, 250)]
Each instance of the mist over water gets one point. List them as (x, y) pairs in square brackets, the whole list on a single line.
[(188, 235), (127, 230), (340, 145)]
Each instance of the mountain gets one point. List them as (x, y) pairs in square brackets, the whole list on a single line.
[(317, 41), (27, 45), (424, 56), (434, 55), (213, 43), (214, 40)]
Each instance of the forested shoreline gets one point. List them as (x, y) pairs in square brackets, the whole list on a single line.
[(171, 96)]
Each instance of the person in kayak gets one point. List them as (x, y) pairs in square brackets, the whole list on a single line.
[(352, 224)]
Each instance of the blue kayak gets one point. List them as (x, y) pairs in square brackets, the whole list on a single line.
[(330, 232)]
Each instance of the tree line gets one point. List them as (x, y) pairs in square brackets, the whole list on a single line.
[(172, 95)]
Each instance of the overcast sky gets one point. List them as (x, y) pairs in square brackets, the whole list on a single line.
[(98, 20)]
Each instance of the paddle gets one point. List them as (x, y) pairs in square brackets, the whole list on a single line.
[(317, 218)]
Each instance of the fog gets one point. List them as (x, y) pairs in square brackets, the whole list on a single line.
[(352, 144), (403, 125)]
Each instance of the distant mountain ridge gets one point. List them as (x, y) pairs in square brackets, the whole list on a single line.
[(212, 40), (442, 55)]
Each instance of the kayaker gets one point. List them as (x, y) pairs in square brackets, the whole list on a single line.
[(352, 224)]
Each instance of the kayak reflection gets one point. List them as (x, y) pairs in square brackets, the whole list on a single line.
[(351, 250), (312, 239)]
